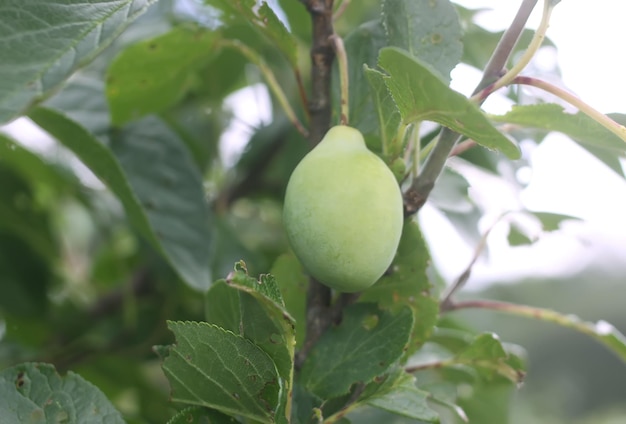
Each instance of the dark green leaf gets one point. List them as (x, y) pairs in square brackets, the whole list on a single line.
[(199, 415), (428, 30), (403, 398), (366, 343), (212, 367), (152, 75), (154, 178), (44, 42), (408, 284), (421, 95), (517, 236), (35, 394)]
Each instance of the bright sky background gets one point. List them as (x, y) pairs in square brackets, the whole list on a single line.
[(589, 37)]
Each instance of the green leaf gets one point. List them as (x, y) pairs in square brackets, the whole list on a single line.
[(362, 46), (254, 309), (44, 42), (293, 284), (387, 113), (199, 415), (265, 21), (404, 399), (487, 355), (408, 285), (212, 367), (552, 221), (154, 178), (428, 30), (161, 172), (421, 95), (592, 136), (152, 75), (35, 394), (518, 237), (366, 343)]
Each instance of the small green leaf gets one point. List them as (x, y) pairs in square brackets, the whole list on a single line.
[(405, 399), (592, 136), (428, 30), (408, 284), (44, 42), (264, 20), (517, 236), (387, 113), (366, 343), (362, 46), (199, 415), (152, 75), (215, 368), (293, 284), (156, 181), (488, 356), (33, 393), (421, 95), (552, 221)]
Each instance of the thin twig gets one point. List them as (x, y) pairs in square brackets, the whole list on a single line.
[(342, 61), (465, 275), (599, 117)]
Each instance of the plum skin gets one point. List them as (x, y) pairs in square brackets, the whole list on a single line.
[(343, 212)]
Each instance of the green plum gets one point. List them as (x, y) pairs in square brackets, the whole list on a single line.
[(343, 212)]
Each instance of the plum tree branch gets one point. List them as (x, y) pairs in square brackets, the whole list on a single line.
[(417, 194), (318, 316), (602, 331)]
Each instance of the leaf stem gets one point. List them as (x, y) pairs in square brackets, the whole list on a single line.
[(270, 79), (535, 44), (599, 117), (344, 80), (603, 332)]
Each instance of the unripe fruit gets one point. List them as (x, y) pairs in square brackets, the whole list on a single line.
[(343, 212)]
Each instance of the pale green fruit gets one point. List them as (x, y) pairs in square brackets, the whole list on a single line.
[(343, 212)]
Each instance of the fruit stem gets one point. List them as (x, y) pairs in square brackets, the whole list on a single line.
[(603, 332), (599, 117), (342, 62), (270, 80)]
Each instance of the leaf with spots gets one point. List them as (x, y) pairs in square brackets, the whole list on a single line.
[(408, 285), (152, 75), (429, 30), (200, 415), (213, 367), (366, 343), (422, 95), (33, 393), (43, 42), (151, 172), (254, 309)]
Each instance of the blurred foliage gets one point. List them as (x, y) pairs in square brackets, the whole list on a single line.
[(111, 236)]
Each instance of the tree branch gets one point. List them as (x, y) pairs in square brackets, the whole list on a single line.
[(318, 317), (417, 194)]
